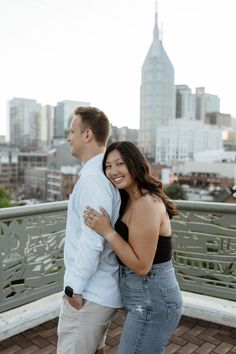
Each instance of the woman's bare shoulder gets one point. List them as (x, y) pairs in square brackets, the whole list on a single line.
[(147, 204)]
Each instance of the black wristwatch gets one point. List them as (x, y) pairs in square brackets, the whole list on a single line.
[(70, 292)]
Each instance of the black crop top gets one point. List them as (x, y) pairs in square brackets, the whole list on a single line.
[(164, 246)]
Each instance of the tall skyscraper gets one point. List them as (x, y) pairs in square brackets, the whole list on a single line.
[(25, 123), (157, 94), (63, 114)]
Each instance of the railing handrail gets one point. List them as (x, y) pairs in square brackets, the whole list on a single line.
[(205, 206), (52, 207), (26, 210)]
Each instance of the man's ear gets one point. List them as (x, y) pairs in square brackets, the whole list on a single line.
[(89, 135)]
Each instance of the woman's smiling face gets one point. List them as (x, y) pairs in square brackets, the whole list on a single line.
[(117, 171)]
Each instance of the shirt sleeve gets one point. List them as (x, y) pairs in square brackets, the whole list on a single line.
[(94, 191)]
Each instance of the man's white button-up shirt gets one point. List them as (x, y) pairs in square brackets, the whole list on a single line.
[(91, 265)]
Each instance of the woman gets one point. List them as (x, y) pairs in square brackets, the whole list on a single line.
[(142, 243)]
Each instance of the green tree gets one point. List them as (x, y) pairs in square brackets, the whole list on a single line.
[(175, 191), (5, 200)]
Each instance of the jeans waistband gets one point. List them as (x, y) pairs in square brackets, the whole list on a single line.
[(155, 268)]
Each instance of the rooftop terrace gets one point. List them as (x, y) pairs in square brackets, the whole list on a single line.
[(192, 336), (31, 271)]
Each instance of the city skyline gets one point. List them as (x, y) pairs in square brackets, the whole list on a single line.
[(82, 50)]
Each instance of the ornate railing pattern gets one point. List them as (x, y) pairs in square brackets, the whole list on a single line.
[(32, 238), (31, 252), (205, 248)]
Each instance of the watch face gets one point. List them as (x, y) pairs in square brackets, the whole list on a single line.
[(69, 291)]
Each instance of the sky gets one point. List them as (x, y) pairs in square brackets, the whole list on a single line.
[(93, 51)]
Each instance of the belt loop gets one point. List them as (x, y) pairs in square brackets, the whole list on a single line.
[(123, 272)]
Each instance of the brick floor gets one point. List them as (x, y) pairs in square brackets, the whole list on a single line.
[(191, 337)]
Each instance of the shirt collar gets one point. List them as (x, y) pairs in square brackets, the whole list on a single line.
[(94, 161)]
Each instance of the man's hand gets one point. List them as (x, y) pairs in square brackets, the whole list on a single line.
[(75, 301)]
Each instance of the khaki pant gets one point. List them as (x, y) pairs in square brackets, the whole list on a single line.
[(82, 331)]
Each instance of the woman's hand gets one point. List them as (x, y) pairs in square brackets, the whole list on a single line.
[(99, 222)]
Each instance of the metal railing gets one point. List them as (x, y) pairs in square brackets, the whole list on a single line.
[(205, 248), (31, 252), (32, 241)]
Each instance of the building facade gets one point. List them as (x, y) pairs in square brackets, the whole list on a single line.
[(185, 103), (182, 138), (47, 125), (9, 167), (25, 124), (35, 185), (205, 103), (123, 133), (63, 115), (60, 183), (31, 160)]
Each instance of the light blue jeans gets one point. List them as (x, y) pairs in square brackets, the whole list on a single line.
[(154, 307)]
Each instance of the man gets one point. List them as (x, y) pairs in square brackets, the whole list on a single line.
[(91, 277)]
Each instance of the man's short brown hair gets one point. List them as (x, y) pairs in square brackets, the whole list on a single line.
[(96, 120)]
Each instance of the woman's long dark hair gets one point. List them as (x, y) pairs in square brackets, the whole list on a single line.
[(140, 171)]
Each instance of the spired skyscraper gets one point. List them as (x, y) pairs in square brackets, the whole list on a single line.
[(157, 94)]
